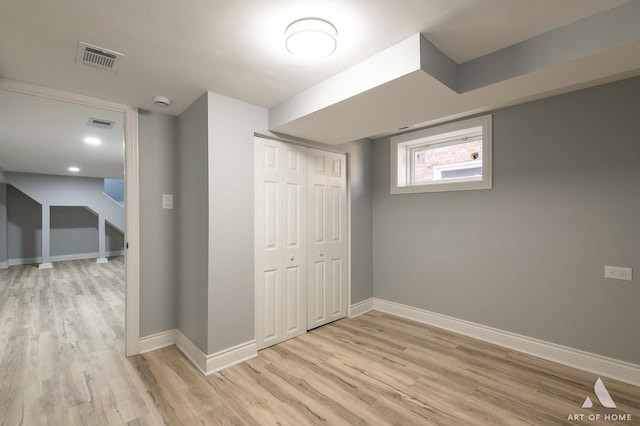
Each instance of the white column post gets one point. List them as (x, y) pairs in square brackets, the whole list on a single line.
[(102, 252), (46, 234)]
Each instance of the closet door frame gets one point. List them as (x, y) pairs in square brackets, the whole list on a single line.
[(257, 226)]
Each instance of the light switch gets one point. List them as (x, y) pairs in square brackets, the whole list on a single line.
[(167, 201)]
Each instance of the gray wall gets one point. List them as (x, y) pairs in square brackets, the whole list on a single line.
[(192, 210), (232, 124), (114, 239), (528, 256), (56, 190), (114, 188), (74, 230), (158, 237), (360, 156), (24, 231)]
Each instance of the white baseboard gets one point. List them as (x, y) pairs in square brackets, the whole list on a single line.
[(191, 351), (158, 341), (24, 261), (102, 260), (47, 265), (4, 265), (209, 364), (360, 308), (231, 356), (62, 258), (593, 363)]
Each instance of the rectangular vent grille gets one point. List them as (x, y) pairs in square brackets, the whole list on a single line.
[(101, 124), (97, 57)]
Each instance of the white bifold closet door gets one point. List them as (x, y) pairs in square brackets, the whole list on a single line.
[(327, 237), (280, 241), (300, 240)]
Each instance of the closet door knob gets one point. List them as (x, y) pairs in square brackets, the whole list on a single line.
[(321, 253), (292, 258)]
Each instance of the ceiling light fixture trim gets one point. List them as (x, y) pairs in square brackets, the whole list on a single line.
[(311, 38)]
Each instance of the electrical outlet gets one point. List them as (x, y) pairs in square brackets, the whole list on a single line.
[(618, 273)]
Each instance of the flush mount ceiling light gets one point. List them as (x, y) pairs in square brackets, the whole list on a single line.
[(92, 141), (74, 169), (311, 38)]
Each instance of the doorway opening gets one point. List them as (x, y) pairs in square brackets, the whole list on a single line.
[(130, 222)]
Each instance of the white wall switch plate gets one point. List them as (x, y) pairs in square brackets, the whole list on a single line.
[(618, 273), (167, 201)]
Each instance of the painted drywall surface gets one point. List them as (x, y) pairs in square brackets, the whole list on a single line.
[(24, 225), (157, 137), (361, 224), (69, 191), (58, 192), (232, 124), (114, 188), (3, 225), (528, 255), (74, 230), (192, 213), (606, 30), (114, 239)]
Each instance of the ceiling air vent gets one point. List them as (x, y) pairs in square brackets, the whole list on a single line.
[(101, 124), (97, 57)]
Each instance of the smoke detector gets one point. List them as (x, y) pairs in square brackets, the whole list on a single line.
[(161, 101), (98, 57)]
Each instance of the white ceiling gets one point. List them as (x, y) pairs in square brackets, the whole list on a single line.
[(42, 135), (180, 49), (236, 48)]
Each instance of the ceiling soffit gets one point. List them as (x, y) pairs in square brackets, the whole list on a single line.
[(537, 65)]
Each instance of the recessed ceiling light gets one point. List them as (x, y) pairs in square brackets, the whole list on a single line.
[(311, 38), (74, 169), (92, 141)]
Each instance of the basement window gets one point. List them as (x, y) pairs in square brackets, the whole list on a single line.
[(451, 157)]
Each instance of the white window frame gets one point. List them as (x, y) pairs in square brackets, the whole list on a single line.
[(437, 170), (403, 147)]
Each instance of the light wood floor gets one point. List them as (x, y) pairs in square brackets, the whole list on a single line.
[(61, 347), (61, 363), (378, 369)]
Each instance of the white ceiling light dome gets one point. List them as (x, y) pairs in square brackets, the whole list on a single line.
[(311, 38)]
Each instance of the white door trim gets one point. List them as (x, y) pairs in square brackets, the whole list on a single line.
[(132, 198)]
